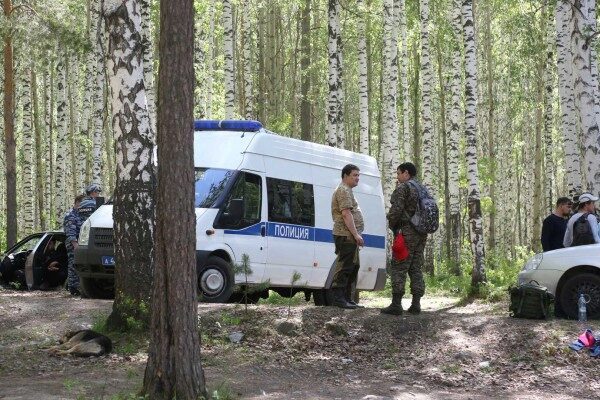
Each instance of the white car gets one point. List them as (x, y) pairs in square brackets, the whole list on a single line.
[(567, 273)]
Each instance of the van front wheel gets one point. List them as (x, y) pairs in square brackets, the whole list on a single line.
[(215, 281)]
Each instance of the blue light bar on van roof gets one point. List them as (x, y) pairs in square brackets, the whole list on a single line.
[(227, 125)]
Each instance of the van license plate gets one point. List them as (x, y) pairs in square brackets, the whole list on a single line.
[(108, 260)]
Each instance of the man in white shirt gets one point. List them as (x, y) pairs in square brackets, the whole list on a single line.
[(576, 234)]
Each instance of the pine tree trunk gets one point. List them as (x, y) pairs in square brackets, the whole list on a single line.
[(564, 27), (474, 202), (174, 368), (133, 210), (335, 119), (228, 69), (363, 81), (249, 101), (389, 128), (305, 104), (10, 144)]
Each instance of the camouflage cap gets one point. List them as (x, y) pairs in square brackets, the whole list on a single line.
[(87, 206), (94, 187)]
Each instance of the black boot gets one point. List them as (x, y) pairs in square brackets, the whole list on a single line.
[(349, 299), (396, 307), (339, 299), (415, 307)]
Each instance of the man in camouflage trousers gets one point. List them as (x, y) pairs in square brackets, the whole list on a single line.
[(82, 209), (404, 202), (348, 225)]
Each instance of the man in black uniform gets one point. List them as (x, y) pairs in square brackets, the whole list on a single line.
[(555, 225)]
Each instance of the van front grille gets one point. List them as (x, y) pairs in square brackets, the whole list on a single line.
[(103, 238)]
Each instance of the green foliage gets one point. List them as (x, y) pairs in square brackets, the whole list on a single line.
[(275, 299), (126, 342), (223, 392)]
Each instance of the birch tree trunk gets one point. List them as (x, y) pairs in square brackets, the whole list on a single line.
[(174, 368), (564, 27), (98, 90), (228, 53), (335, 102), (549, 168), (148, 62), (453, 142), (60, 171), (27, 208), (536, 205), (474, 201), (404, 80), (133, 210), (39, 165), (491, 134), (389, 123), (363, 80)]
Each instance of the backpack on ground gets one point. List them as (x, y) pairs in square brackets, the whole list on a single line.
[(427, 216), (530, 300), (582, 231)]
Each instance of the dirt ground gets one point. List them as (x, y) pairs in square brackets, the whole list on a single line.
[(448, 352)]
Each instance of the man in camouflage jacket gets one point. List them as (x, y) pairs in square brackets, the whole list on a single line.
[(403, 205)]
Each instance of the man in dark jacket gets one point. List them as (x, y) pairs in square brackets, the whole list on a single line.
[(555, 225)]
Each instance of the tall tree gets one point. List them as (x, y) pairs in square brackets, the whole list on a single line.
[(97, 32), (249, 112), (228, 53), (133, 210), (474, 200), (10, 145), (60, 170), (404, 80), (174, 368), (27, 207), (390, 154), (335, 101), (363, 80), (305, 104)]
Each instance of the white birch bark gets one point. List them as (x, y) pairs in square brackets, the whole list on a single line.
[(566, 82), (97, 33), (210, 60), (473, 201), (86, 121), (74, 126), (427, 83), (548, 112), (49, 133), (27, 210), (228, 54), (406, 136), (363, 80), (60, 183), (389, 131), (249, 109), (453, 142), (134, 144), (335, 119), (148, 61)]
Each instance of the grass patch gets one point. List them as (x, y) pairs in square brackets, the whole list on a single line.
[(124, 343), (275, 299)]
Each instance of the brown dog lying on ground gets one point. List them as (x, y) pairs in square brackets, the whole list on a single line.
[(83, 343)]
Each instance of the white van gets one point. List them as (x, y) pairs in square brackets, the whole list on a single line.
[(267, 196)]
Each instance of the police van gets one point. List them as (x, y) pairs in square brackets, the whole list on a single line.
[(267, 196)]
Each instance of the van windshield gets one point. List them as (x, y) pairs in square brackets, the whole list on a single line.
[(210, 185)]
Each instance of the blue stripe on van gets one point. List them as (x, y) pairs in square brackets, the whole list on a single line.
[(300, 232)]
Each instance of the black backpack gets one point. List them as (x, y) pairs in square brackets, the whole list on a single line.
[(427, 215), (530, 300), (582, 231)]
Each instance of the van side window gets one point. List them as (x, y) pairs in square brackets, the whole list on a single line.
[(290, 202), (243, 205)]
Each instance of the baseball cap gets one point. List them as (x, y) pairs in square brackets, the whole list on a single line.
[(585, 197), (94, 187)]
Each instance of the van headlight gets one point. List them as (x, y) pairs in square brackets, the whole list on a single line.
[(84, 233), (534, 262)]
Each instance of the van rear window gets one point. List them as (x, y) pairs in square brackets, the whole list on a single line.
[(210, 185), (291, 202)]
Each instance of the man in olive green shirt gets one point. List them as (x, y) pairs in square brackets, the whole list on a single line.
[(348, 225)]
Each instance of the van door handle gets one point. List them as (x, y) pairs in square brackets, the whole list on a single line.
[(263, 231)]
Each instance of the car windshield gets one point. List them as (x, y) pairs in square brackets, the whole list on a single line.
[(210, 184)]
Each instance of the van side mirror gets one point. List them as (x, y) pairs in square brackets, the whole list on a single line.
[(236, 209)]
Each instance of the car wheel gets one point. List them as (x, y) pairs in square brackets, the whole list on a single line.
[(589, 285), (97, 288), (215, 281)]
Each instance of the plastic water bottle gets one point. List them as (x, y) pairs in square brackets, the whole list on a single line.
[(582, 308)]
